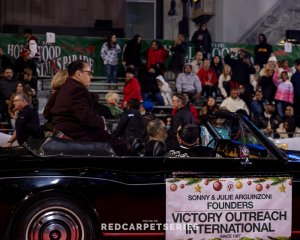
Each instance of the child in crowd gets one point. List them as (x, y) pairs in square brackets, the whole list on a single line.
[(289, 119), (283, 130), (284, 93), (257, 105), (208, 79), (112, 100), (210, 106), (165, 90)]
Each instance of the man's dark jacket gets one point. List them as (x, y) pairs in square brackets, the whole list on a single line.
[(73, 112), (27, 124)]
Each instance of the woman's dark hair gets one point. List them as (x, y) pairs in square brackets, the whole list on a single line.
[(136, 38), (110, 44), (77, 65), (189, 133), (25, 87), (158, 43), (134, 44)]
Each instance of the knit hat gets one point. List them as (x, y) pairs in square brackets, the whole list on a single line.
[(272, 59), (148, 105)]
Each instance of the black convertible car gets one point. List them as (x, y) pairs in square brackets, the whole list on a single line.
[(58, 189)]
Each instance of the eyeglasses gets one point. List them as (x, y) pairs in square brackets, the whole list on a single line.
[(89, 72), (17, 100)]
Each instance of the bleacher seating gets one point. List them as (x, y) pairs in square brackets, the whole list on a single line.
[(100, 86)]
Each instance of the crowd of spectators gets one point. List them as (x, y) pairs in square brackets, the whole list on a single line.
[(267, 90)]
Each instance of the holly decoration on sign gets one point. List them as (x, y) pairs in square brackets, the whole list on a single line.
[(275, 180), (259, 183)]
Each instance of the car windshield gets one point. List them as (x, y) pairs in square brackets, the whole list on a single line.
[(233, 133)]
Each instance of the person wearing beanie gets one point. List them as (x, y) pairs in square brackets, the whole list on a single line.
[(270, 65), (272, 59), (31, 45)]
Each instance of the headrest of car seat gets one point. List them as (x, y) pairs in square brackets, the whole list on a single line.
[(159, 149), (56, 146), (138, 147)]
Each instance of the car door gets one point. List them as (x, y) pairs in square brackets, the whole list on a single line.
[(205, 196)]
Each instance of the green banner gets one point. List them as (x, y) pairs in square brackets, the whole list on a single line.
[(67, 49)]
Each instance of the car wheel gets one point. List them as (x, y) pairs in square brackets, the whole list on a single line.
[(54, 219)]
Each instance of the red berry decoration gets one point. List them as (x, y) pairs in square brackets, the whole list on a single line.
[(181, 185), (173, 187), (249, 182), (206, 182), (217, 185), (267, 186), (259, 187)]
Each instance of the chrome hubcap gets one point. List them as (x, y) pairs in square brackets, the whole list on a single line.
[(55, 223)]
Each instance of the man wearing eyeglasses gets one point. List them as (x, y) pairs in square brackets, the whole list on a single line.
[(73, 112)]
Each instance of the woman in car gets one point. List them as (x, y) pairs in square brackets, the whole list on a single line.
[(157, 134)]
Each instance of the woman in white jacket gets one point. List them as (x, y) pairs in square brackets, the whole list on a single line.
[(165, 90)]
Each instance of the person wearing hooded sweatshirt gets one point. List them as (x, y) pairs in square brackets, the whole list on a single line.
[(188, 82), (165, 90), (202, 40), (262, 51)]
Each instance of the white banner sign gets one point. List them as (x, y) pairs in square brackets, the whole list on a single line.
[(229, 208)]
